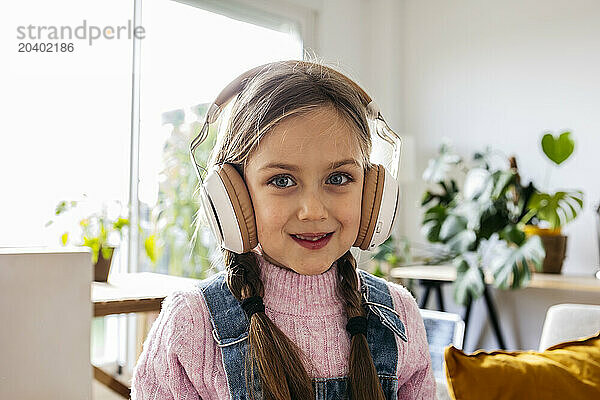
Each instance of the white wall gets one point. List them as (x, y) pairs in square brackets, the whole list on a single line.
[(363, 38)]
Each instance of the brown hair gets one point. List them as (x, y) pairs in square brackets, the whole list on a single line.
[(279, 91)]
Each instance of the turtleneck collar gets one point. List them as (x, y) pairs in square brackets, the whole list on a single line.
[(289, 292)]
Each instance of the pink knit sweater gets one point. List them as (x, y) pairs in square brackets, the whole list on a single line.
[(180, 359)]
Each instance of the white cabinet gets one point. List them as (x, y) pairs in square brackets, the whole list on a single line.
[(45, 322)]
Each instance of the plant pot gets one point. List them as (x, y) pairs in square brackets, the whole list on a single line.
[(555, 245), (102, 266)]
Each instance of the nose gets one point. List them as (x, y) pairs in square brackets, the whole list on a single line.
[(312, 207)]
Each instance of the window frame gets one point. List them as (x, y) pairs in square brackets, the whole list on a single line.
[(271, 14)]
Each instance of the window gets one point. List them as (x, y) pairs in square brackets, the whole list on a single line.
[(66, 124), (66, 133)]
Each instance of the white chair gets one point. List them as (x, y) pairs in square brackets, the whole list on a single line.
[(566, 322)]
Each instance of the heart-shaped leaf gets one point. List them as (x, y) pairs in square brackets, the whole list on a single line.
[(558, 149)]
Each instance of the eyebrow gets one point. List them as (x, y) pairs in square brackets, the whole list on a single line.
[(294, 168)]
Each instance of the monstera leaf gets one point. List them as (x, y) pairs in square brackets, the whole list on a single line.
[(490, 159), (510, 264), (557, 209), (456, 234), (432, 222), (449, 191), (438, 167), (469, 282), (462, 241)]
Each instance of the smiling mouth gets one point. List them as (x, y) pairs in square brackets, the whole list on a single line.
[(312, 242), (311, 237)]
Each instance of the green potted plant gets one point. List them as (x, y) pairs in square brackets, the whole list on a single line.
[(547, 213), (101, 232), (476, 221)]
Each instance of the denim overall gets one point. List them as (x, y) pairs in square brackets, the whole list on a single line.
[(230, 331)]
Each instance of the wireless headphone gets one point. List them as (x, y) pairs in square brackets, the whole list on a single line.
[(226, 200)]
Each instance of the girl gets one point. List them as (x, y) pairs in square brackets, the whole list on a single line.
[(291, 317)]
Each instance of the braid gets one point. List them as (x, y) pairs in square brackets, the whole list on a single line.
[(270, 351), (362, 376), (243, 275)]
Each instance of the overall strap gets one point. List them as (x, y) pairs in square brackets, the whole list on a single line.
[(230, 332), (381, 314)]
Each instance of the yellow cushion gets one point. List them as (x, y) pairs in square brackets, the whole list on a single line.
[(569, 370)]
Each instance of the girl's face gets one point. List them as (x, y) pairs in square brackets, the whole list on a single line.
[(305, 178)]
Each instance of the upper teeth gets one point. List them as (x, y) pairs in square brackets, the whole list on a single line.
[(312, 239)]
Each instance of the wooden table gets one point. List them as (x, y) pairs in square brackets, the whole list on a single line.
[(128, 293), (447, 273), (433, 276)]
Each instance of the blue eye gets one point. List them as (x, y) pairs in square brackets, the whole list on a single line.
[(337, 179), (280, 181), (284, 181)]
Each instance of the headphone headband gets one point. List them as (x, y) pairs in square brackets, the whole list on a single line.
[(237, 85)]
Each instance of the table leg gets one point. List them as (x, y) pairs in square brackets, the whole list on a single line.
[(493, 317), (423, 302), (467, 314), (428, 285), (438, 290)]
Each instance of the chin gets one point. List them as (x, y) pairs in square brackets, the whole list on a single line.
[(314, 270)]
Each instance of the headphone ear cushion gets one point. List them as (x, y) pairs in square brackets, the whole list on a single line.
[(242, 205), (371, 202)]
